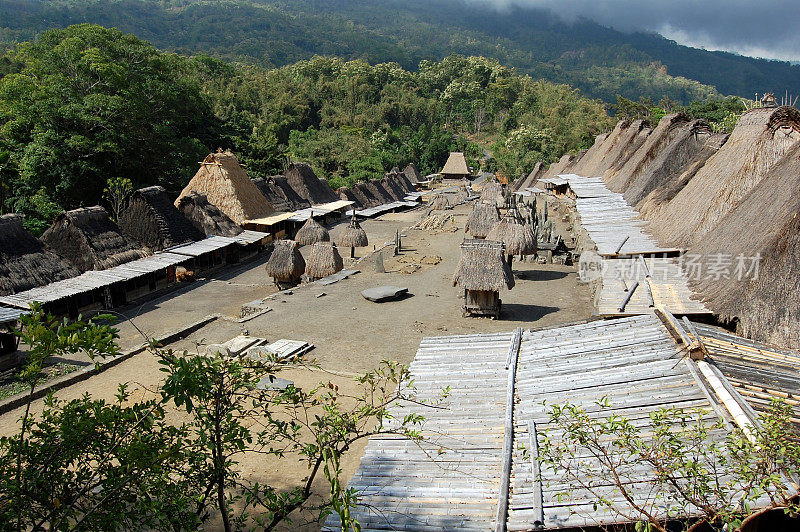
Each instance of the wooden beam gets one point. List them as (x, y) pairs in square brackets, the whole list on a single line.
[(538, 497), (501, 520), (627, 297)]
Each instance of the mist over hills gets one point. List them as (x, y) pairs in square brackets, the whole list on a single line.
[(600, 61)]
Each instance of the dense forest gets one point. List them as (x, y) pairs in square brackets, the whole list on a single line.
[(84, 104), (601, 62)]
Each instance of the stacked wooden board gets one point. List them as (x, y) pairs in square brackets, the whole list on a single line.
[(454, 479)]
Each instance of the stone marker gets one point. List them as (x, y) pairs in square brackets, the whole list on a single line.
[(384, 293), (379, 268)]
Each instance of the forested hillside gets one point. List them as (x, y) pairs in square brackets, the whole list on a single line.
[(81, 105), (601, 62)]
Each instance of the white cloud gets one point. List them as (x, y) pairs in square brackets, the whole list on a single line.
[(767, 28)]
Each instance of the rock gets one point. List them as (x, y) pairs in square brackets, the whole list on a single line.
[(410, 268), (271, 382), (431, 259), (384, 293)]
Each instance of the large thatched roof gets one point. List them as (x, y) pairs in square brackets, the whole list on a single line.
[(286, 264), (483, 267), (307, 185), (353, 236), (311, 233), (226, 185), (323, 259), (90, 240), (206, 217), (761, 295), (761, 137), (273, 193), (25, 262), (482, 219), (669, 128), (493, 192), (456, 165), (412, 173), (518, 237), (153, 220), (531, 179)]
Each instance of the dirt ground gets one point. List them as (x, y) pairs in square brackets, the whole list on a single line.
[(351, 334)]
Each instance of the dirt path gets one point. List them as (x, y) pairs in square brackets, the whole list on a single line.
[(350, 334)]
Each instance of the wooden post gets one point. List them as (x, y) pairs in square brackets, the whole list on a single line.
[(628, 297)]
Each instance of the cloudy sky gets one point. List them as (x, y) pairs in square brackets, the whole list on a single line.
[(762, 28)]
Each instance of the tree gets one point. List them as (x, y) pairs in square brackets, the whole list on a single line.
[(687, 468), (127, 464), (91, 102), (117, 194), (87, 464)]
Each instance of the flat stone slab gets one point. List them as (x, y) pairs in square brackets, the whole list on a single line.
[(271, 382), (380, 294), (336, 277)]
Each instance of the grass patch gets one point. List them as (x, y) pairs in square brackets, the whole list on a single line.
[(11, 386)]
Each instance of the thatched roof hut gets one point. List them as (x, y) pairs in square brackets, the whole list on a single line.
[(153, 220), (669, 128), (482, 266), (286, 265), (412, 173), (392, 185), (323, 260), (292, 196), (378, 191), (226, 185), (482, 219), (756, 251), (311, 233), (206, 217), (90, 240), (307, 185), (441, 202), (456, 166), (25, 262), (365, 196), (273, 193), (518, 237), (493, 192), (531, 179), (353, 236), (761, 137)]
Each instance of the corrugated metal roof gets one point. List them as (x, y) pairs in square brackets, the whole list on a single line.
[(92, 280), (208, 245), (325, 208), (371, 212), (10, 315), (248, 237)]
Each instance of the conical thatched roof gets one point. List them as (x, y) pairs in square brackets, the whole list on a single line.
[(307, 185), (456, 165), (483, 267), (440, 202), (25, 262), (273, 193), (286, 264), (153, 220), (354, 236), (482, 219), (756, 251), (311, 233), (206, 217), (518, 238), (493, 192), (412, 173), (226, 185), (761, 137), (90, 240), (323, 260)]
